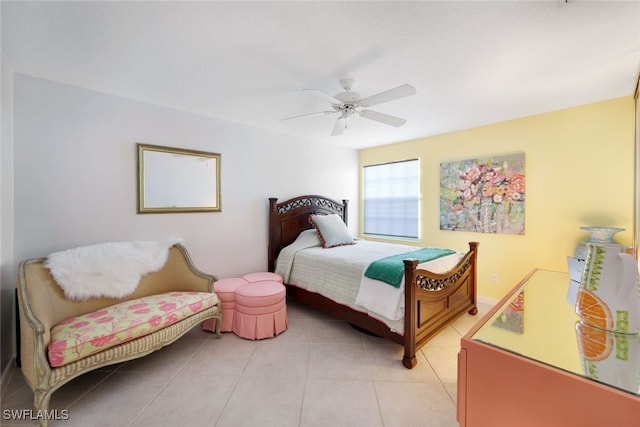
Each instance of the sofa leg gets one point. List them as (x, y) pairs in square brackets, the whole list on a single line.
[(218, 325), (41, 400)]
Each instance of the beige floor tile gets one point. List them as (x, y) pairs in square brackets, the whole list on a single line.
[(448, 337), (17, 393), (370, 339), (464, 323), (385, 364), (415, 404), (444, 361), (279, 358), (340, 403), (69, 393), (338, 361), (298, 330), (189, 400), (19, 396), (264, 401), (116, 401), (319, 372), (228, 355), (452, 391)]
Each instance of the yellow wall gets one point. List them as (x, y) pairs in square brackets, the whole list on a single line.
[(579, 171)]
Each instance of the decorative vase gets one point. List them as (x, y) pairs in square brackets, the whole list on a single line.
[(609, 297), (598, 235)]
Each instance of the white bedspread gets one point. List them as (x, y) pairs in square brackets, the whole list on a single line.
[(338, 274)]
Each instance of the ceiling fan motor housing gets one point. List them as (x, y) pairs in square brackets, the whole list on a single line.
[(347, 109), (348, 97)]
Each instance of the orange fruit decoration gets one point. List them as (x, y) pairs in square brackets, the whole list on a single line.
[(593, 310), (595, 343)]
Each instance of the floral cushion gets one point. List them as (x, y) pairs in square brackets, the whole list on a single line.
[(81, 336)]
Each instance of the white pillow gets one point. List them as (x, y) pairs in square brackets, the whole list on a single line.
[(309, 238), (331, 230)]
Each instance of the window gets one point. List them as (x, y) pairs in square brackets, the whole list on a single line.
[(391, 193)]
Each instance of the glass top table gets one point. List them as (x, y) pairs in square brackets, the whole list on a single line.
[(540, 323)]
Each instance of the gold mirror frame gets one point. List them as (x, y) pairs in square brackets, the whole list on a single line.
[(172, 180)]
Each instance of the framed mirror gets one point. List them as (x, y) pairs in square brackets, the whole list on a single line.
[(177, 180)]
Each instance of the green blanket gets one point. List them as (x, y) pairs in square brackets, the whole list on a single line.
[(391, 269)]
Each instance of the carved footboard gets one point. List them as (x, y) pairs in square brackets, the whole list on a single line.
[(433, 301)]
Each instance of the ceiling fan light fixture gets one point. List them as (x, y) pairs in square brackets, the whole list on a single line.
[(340, 126), (347, 83)]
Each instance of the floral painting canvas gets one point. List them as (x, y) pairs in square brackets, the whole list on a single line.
[(485, 195)]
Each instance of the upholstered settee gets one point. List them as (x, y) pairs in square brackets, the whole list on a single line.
[(61, 338)]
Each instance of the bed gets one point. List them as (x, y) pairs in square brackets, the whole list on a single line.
[(430, 300)]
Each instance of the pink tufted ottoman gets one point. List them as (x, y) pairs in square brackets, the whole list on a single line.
[(226, 291), (261, 310)]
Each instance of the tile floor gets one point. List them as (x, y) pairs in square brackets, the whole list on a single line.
[(320, 372)]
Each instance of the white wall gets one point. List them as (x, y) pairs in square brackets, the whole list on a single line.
[(7, 265), (75, 176)]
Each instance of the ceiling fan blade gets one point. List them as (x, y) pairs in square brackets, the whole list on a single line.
[(324, 96), (310, 114), (339, 127), (388, 95), (383, 118)]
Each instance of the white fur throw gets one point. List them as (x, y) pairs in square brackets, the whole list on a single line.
[(111, 269)]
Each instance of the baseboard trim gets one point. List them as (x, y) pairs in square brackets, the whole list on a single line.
[(487, 300)]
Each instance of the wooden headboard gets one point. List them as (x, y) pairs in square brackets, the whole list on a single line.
[(289, 218)]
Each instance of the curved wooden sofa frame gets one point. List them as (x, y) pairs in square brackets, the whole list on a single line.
[(42, 304), (427, 311)]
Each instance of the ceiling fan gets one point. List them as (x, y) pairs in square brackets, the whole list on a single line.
[(349, 103)]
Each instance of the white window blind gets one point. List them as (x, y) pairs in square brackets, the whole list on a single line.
[(391, 193)]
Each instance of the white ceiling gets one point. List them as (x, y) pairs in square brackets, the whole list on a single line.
[(472, 63)]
